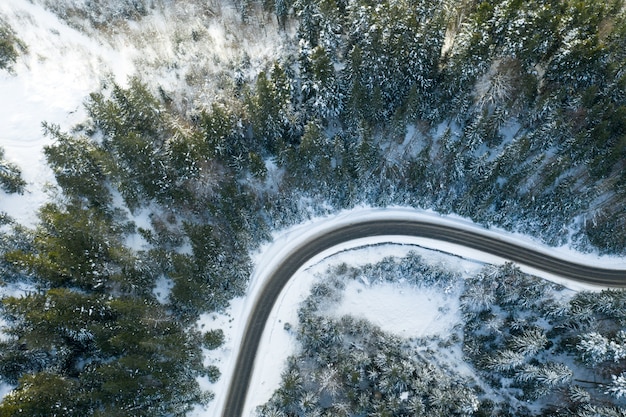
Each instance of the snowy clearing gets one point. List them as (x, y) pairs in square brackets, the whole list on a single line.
[(399, 309)]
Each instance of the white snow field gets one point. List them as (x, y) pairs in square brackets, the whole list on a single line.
[(48, 83)]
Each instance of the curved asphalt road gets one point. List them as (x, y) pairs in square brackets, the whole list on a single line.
[(238, 390)]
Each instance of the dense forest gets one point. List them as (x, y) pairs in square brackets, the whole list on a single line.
[(511, 113)]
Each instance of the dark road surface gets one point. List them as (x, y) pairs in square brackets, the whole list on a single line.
[(235, 400)]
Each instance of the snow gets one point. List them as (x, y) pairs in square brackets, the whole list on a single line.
[(162, 289), (63, 65), (389, 304), (412, 144), (49, 83), (278, 344), (391, 307)]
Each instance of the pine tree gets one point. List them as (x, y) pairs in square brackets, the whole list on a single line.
[(530, 342), (617, 346), (478, 296), (80, 166), (548, 375), (579, 395), (589, 410), (44, 395), (274, 121), (309, 16), (320, 88), (505, 360), (618, 386), (281, 9), (271, 412), (10, 46), (593, 348), (10, 176)]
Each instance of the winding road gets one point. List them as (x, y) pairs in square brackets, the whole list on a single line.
[(236, 397)]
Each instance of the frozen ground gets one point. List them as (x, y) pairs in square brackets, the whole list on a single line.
[(401, 309)]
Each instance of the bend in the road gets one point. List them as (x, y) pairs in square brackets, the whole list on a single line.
[(274, 284)]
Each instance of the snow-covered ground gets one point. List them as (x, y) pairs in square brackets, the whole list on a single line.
[(48, 83), (277, 344), (179, 48)]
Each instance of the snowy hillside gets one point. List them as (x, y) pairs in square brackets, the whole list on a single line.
[(188, 50)]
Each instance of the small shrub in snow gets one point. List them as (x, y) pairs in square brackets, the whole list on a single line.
[(10, 46), (213, 339), (10, 175)]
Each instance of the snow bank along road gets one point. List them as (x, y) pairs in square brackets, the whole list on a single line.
[(445, 231)]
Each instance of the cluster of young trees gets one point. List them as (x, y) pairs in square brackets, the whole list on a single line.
[(365, 371)]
